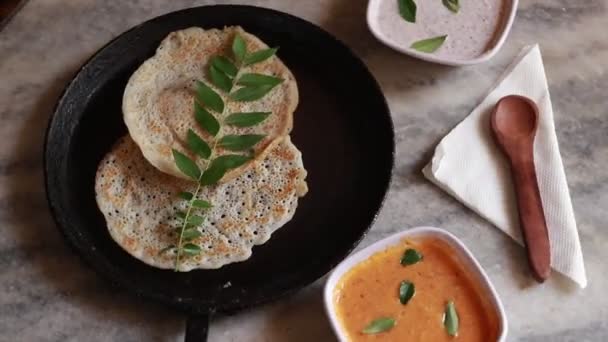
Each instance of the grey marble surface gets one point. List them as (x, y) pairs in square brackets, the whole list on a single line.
[(46, 294)]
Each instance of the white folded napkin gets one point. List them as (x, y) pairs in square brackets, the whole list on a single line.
[(468, 165)]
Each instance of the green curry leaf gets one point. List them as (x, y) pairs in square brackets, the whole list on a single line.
[(219, 79), (259, 56), (206, 120), (185, 195), (258, 80), (251, 93), (191, 234), (406, 291), (224, 65), (452, 5), (186, 165), (197, 145), (191, 249), (379, 325), (407, 10), (429, 45), (246, 119), (450, 319), (240, 142), (410, 257), (201, 204), (220, 165), (208, 97), (239, 48)]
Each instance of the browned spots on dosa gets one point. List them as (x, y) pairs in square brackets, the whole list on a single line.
[(284, 154), (293, 174), (288, 189), (164, 150), (222, 248), (175, 100), (154, 127), (278, 211), (129, 243), (226, 224), (263, 220), (151, 251)]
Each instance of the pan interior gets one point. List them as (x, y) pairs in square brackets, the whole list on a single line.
[(342, 126)]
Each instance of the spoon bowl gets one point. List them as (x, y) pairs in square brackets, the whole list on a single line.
[(516, 118)]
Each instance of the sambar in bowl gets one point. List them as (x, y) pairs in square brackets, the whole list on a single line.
[(419, 285)]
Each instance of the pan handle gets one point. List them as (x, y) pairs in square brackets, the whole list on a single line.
[(197, 327)]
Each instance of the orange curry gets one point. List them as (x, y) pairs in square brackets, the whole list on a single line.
[(370, 290)]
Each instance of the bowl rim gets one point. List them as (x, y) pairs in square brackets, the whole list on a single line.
[(510, 17), (465, 256)]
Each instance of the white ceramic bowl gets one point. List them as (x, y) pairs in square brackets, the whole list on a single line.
[(463, 255), (509, 15)]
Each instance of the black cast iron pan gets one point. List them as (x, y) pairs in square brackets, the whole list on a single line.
[(342, 126)]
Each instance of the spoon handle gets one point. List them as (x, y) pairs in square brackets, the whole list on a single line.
[(531, 215)]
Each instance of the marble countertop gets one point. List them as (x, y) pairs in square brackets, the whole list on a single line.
[(47, 294)]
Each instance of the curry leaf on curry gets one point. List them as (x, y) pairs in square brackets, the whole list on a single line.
[(407, 10), (406, 291), (450, 319), (379, 325), (452, 5), (410, 257), (429, 45)]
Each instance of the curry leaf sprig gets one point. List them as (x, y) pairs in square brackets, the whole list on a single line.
[(208, 168)]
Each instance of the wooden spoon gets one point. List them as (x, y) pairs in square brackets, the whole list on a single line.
[(514, 123)]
